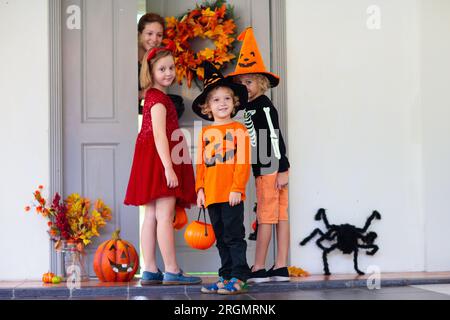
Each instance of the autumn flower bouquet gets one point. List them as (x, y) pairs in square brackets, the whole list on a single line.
[(72, 220)]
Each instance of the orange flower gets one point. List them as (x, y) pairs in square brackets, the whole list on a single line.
[(41, 187), (45, 212), (27, 208)]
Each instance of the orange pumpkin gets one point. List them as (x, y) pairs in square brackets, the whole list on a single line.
[(47, 277), (180, 219), (116, 260), (199, 235)]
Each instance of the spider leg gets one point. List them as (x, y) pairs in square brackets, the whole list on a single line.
[(322, 215), (371, 246), (312, 235), (326, 251), (375, 215), (330, 235), (355, 261)]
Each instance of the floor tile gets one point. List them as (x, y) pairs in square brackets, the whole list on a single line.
[(296, 295), (161, 297), (439, 288), (10, 284), (100, 298), (220, 297)]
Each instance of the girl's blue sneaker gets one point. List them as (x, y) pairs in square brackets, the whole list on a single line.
[(151, 278), (234, 286), (214, 287), (179, 279)]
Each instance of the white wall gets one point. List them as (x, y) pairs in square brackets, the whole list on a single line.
[(354, 108), (435, 60), (24, 161)]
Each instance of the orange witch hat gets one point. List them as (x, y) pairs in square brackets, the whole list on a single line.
[(250, 59)]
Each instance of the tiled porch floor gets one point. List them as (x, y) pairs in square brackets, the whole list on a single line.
[(316, 286)]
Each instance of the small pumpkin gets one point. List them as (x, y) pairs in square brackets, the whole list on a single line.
[(180, 219), (199, 235), (47, 277), (116, 260), (56, 280)]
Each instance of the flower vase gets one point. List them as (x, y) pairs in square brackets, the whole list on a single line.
[(73, 261)]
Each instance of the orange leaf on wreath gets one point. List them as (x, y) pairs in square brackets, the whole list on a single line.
[(220, 13)]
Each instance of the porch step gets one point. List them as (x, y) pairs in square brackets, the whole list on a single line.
[(32, 290)]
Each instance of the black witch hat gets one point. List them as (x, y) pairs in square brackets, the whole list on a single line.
[(213, 78)]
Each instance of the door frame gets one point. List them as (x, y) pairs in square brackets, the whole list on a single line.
[(279, 95)]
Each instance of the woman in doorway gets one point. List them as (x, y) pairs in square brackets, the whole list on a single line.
[(150, 35)]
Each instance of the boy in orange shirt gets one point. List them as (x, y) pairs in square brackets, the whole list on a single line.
[(223, 170)]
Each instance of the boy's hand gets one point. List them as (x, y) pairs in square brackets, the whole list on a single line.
[(235, 198), (201, 198), (282, 180)]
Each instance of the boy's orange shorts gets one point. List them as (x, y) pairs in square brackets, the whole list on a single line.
[(272, 203)]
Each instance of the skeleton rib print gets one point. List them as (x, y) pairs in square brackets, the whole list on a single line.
[(250, 126)]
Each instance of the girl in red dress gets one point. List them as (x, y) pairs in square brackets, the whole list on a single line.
[(161, 178)]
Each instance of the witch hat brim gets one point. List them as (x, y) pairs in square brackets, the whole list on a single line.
[(250, 59), (214, 79)]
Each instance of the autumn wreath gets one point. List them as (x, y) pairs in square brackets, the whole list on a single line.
[(214, 21)]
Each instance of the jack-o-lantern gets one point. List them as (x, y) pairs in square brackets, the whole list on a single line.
[(180, 219), (116, 260), (250, 59), (200, 235)]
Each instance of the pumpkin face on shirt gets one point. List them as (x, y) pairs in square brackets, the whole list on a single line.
[(220, 151)]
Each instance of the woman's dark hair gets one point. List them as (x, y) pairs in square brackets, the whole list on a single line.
[(150, 18)]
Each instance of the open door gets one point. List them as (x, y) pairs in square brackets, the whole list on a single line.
[(254, 13)]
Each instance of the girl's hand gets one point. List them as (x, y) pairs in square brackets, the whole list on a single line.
[(282, 180), (171, 177), (235, 198), (201, 198)]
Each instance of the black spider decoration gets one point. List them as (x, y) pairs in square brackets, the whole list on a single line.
[(347, 237)]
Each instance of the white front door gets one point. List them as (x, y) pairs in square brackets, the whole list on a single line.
[(99, 106)]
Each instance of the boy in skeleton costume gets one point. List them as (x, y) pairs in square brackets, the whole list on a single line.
[(269, 161)]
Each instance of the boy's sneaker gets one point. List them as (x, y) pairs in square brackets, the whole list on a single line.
[(234, 286), (279, 275), (151, 278), (179, 279), (214, 287), (259, 276)]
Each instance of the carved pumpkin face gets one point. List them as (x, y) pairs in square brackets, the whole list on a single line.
[(116, 260)]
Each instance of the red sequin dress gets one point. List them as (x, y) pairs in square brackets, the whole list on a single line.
[(147, 178)]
